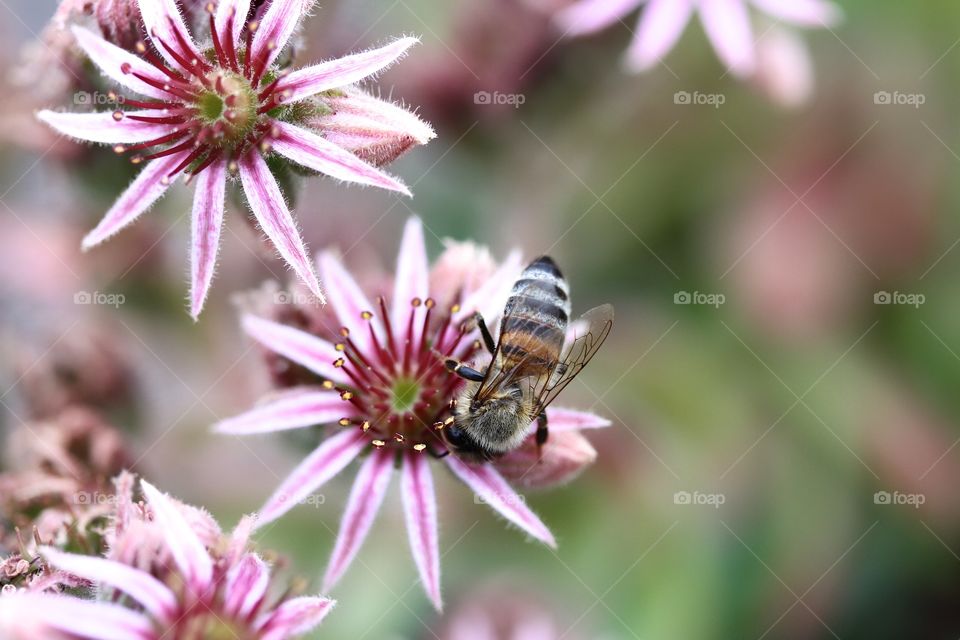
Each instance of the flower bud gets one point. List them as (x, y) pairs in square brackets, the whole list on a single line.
[(561, 458), (376, 131)]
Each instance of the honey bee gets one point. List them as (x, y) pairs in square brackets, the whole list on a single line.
[(530, 365)]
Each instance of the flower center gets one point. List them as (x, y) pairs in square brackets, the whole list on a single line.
[(229, 105), (404, 394), (206, 625)]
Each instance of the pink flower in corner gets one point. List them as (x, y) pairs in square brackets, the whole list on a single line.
[(201, 594), (383, 390), (726, 23), (222, 107)]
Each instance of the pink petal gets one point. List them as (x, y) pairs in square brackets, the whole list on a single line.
[(247, 582), (784, 68), (559, 419), (226, 9), (367, 494), (805, 13), (111, 60), (103, 127), (491, 297), (727, 24), (590, 16), (312, 151), (206, 221), (163, 22), (326, 461), (299, 346), (293, 411), (561, 459), (240, 538), (274, 217), (41, 615), (412, 277), (147, 187), (342, 71), (295, 617), (139, 585), (420, 509), (348, 301), (185, 546), (659, 28), (490, 487), (276, 27)]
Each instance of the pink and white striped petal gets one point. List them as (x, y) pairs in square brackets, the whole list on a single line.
[(490, 298), (147, 187), (804, 13), (155, 597), (366, 496), (27, 616), (412, 278), (275, 219), (112, 60), (326, 461), (103, 126), (164, 24), (299, 346), (420, 510), (247, 583), (590, 16), (727, 24), (660, 26), (341, 72), (276, 27), (292, 411), (560, 419), (206, 223), (348, 301), (295, 617), (185, 546), (491, 488), (233, 12), (311, 151)]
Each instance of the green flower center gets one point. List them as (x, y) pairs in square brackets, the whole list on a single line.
[(229, 105), (404, 395)]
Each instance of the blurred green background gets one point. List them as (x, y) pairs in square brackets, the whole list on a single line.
[(795, 399)]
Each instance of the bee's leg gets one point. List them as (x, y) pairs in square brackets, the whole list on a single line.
[(433, 453), (463, 370), (485, 333), (542, 432)]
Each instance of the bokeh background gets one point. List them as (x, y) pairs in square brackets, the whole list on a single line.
[(787, 340)]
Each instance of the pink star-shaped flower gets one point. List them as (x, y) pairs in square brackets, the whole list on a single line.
[(200, 595), (383, 389), (223, 107)]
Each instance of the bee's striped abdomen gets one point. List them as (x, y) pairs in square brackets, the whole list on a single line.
[(535, 318)]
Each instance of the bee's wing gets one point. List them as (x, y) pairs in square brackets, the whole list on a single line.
[(498, 374), (598, 321)]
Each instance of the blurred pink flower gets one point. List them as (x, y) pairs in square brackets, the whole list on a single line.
[(726, 23), (226, 112), (384, 383), (203, 595)]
